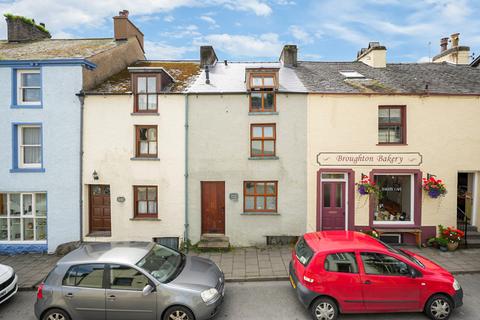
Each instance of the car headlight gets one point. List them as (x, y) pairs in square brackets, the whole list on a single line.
[(209, 295), (456, 285)]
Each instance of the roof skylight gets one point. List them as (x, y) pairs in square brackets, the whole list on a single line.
[(350, 74)]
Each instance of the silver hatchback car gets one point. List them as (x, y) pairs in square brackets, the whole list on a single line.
[(130, 281)]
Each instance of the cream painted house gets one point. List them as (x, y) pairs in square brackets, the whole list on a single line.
[(134, 155), (247, 145), (394, 124)]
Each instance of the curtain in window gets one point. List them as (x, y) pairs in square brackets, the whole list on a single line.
[(31, 141)]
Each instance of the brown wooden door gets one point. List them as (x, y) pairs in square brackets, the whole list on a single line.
[(213, 207), (100, 219), (333, 206)]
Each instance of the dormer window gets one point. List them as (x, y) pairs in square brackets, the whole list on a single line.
[(262, 92), (146, 88)]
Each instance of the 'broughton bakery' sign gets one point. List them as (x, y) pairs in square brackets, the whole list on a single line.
[(369, 159)]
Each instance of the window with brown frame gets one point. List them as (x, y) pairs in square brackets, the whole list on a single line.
[(260, 196), (262, 95), (146, 87), (262, 140), (145, 198), (391, 125), (146, 141)]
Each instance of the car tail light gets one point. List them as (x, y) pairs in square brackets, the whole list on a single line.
[(309, 280), (40, 292)]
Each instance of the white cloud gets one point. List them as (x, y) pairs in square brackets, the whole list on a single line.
[(310, 56), (160, 50), (213, 24), (424, 60), (300, 34), (347, 34), (182, 32), (66, 15), (169, 18), (264, 45)]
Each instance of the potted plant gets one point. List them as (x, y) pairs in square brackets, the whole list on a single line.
[(434, 187), (452, 235), (371, 232), (367, 186), (442, 243)]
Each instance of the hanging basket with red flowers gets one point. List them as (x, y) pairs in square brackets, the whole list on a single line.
[(434, 187), (367, 186)]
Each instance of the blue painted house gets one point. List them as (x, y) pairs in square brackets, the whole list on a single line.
[(41, 103)]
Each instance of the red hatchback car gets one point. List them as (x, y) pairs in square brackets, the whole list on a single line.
[(349, 272)]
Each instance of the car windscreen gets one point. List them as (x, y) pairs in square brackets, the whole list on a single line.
[(162, 263), (303, 252), (402, 253)]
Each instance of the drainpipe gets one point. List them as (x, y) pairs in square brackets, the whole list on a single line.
[(185, 235), (81, 97)]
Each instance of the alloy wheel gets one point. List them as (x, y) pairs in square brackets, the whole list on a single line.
[(324, 311), (56, 316), (440, 309), (178, 315)]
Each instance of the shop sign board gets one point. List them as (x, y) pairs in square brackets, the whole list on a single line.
[(376, 159)]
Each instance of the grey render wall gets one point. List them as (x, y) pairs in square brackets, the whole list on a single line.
[(60, 118), (219, 148)]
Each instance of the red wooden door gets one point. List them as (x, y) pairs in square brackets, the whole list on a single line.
[(333, 206), (213, 207), (100, 219)]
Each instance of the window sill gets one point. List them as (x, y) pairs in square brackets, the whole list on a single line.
[(264, 158), (26, 106), (17, 170), (274, 113), (259, 213), (144, 159), (145, 114), (392, 144), (145, 219)]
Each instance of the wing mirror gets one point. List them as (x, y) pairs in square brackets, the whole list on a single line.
[(413, 272), (147, 290)]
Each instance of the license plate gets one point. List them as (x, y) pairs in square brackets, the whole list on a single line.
[(292, 283)]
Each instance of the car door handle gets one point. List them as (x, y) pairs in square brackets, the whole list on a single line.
[(368, 282), (69, 295), (111, 297)]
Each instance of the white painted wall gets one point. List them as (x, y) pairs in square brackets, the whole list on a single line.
[(109, 140), (219, 148)]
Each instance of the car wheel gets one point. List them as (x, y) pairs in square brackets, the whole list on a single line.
[(56, 314), (178, 313), (439, 307), (324, 309)]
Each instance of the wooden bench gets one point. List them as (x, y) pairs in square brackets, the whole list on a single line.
[(416, 232)]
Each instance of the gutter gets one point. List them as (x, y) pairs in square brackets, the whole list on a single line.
[(81, 97), (185, 235)]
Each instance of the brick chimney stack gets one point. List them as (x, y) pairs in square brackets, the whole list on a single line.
[(21, 29), (288, 57), (124, 28), (208, 57), (456, 54)]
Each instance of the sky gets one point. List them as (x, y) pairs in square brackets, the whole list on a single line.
[(256, 30)]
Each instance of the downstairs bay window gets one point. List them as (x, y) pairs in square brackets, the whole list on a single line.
[(23, 217), (395, 202)]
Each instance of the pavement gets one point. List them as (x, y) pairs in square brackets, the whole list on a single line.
[(272, 300), (242, 264)]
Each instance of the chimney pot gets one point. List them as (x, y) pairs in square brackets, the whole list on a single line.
[(443, 44), (288, 57), (455, 38), (123, 13)]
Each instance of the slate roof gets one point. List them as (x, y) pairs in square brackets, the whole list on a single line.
[(408, 78), (183, 73), (230, 78), (56, 48)]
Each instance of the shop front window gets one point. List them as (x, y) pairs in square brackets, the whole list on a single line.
[(394, 205), (23, 216)]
